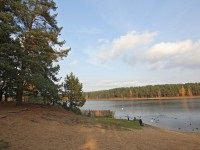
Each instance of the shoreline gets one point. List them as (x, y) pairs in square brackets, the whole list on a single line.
[(37, 127), (145, 98), (171, 130)]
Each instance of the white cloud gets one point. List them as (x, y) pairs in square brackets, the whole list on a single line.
[(107, 84), (135, 47), (181, 54), (120, 45), (169, 49), (130, 41)]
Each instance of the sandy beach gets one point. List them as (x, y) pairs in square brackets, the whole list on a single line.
[(38, 127)]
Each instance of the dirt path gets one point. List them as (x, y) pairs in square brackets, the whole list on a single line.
[(36, 127)]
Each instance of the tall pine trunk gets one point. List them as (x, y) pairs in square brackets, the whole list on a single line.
[(6, 98), (1, 95), (19, 93)]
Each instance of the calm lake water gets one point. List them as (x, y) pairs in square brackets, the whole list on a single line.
[(179, 115)]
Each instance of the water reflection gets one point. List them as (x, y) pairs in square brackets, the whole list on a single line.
[(179, 115)]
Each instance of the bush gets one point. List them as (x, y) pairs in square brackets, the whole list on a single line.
[(76, 110)]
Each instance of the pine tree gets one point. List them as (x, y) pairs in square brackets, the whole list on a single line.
[(9, 50), (182, 91), (189, 92), (73, 91), (38, 36)]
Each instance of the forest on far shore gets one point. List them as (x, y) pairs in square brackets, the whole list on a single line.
[(149, 91)]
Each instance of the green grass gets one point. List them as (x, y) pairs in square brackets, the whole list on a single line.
[(117, 123)]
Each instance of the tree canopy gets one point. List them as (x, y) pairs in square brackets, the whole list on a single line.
[(29, 46), (149, 91), (73, 92)]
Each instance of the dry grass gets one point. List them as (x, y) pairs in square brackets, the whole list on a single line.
[(98, 113)]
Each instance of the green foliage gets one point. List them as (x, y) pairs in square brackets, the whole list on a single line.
[(149, 91), (117, 123), (28, 41), (35, 99), (9, 51), (73, 92)]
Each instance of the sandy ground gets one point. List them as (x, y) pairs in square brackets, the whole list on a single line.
[(50, 128)]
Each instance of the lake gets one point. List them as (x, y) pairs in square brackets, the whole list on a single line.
[(179, 115)]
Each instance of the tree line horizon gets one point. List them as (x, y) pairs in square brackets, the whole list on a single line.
[(148, 91)]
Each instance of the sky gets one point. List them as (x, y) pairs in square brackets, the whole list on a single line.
[(128, 43)]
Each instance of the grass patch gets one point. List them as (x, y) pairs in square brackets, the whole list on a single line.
[(3, 145), (117, 123)]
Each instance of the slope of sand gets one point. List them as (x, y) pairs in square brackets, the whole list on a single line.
[(50, 128)]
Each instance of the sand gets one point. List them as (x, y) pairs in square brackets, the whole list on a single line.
[(37, 127)]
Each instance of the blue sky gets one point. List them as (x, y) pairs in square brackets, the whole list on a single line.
[(123, 43)]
